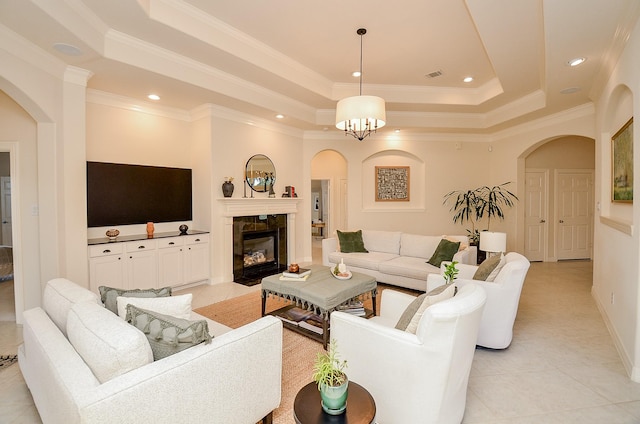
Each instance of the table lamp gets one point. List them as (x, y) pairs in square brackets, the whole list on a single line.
[(492, 242)]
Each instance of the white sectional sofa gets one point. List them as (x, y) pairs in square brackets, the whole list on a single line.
[(394, 257), (234, 379)]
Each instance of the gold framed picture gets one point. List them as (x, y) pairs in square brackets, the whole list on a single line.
[(622, 164), (392, 183)]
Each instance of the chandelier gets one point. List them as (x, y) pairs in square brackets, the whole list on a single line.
[(360, 115)]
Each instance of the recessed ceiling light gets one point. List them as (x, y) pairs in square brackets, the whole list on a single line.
[(67, 49), (280, 116), (577, 61), (153, 97), (397, 130), (356, 74), (468, 79)]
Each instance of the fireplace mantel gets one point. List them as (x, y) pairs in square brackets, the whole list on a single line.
[(233, 206), (258, 206)]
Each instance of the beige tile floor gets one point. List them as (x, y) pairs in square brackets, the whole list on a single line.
[(561, 368)]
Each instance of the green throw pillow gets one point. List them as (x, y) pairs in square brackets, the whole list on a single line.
[(487, 267), (166, 334), (351, 242), (109, 295), (444, 252)]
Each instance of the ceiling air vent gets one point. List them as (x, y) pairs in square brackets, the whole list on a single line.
[(433, 74)]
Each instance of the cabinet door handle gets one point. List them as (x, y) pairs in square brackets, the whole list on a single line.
[(542, 221), (106, 251), (171, 243), (141, 247), (562, 221), (197, 239)]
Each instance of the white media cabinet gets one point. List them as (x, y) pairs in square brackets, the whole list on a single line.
[(138, 262)]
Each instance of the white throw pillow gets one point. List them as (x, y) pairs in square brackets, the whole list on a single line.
[(107, 344), (436, 295), (176, 306)]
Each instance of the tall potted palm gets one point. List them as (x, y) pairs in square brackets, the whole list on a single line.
[(473, 205), (465, 208)]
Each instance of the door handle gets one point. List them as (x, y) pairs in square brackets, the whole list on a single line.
[(542, 221), (562, 221)]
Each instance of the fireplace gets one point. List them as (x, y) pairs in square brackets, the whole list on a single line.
[(259, 247)]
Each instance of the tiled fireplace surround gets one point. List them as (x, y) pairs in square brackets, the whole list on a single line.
[(237, 207)]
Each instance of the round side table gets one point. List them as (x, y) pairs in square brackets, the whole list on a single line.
[(361, 408)]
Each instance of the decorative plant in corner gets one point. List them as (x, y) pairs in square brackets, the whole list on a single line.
[(328, 373), (473, 205), (450, 272)]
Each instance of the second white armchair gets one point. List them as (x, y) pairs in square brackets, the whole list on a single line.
[(503, 297)]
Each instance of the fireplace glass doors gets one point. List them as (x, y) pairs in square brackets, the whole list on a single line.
[(259, 247)]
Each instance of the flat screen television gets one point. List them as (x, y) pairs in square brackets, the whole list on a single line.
[(122, 194)]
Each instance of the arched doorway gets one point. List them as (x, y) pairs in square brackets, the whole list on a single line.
[(559, 199), (329, 184)]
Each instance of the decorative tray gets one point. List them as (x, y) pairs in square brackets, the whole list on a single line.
[(340, 277)]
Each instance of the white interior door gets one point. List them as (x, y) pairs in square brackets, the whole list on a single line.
[(5, 199), (536, 214), (574, 213)]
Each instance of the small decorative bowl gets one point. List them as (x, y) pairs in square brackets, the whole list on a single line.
[(112, 234)]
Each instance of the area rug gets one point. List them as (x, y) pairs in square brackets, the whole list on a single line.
[(298, 351), (7, 360)]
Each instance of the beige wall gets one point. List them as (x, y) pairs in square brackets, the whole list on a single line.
[(616, 241)]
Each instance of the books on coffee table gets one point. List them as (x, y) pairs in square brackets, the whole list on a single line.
[(285, 278), (301, 273), (302, 318)]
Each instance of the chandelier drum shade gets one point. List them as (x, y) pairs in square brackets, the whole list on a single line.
[(360, 115)]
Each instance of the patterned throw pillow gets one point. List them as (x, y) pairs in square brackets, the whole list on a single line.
[(444, 252), (109, 295), (351, 241), (166, 334), (411, 316)]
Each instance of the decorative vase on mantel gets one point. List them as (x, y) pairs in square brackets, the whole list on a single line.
[(227, 187)]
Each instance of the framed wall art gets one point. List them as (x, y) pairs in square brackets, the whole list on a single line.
[(622, 164), (392, 183)]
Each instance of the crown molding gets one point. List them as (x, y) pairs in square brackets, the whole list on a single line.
[(584, 110), (77, 18), (519, 107), (210, 110), (127, 103), (188, 19), (23, 49), (144, 55), (414, 94), (77, 75)]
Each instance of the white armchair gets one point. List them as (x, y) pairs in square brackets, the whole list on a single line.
[(413, 378), (503, 296)]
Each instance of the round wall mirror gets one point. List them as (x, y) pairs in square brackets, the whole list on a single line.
[(260, 173)]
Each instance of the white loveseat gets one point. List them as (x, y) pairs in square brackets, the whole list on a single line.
[(234, 379), (394, 257)]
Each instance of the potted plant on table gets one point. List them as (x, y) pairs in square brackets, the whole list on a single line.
[(450, 272), (329, 375)]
